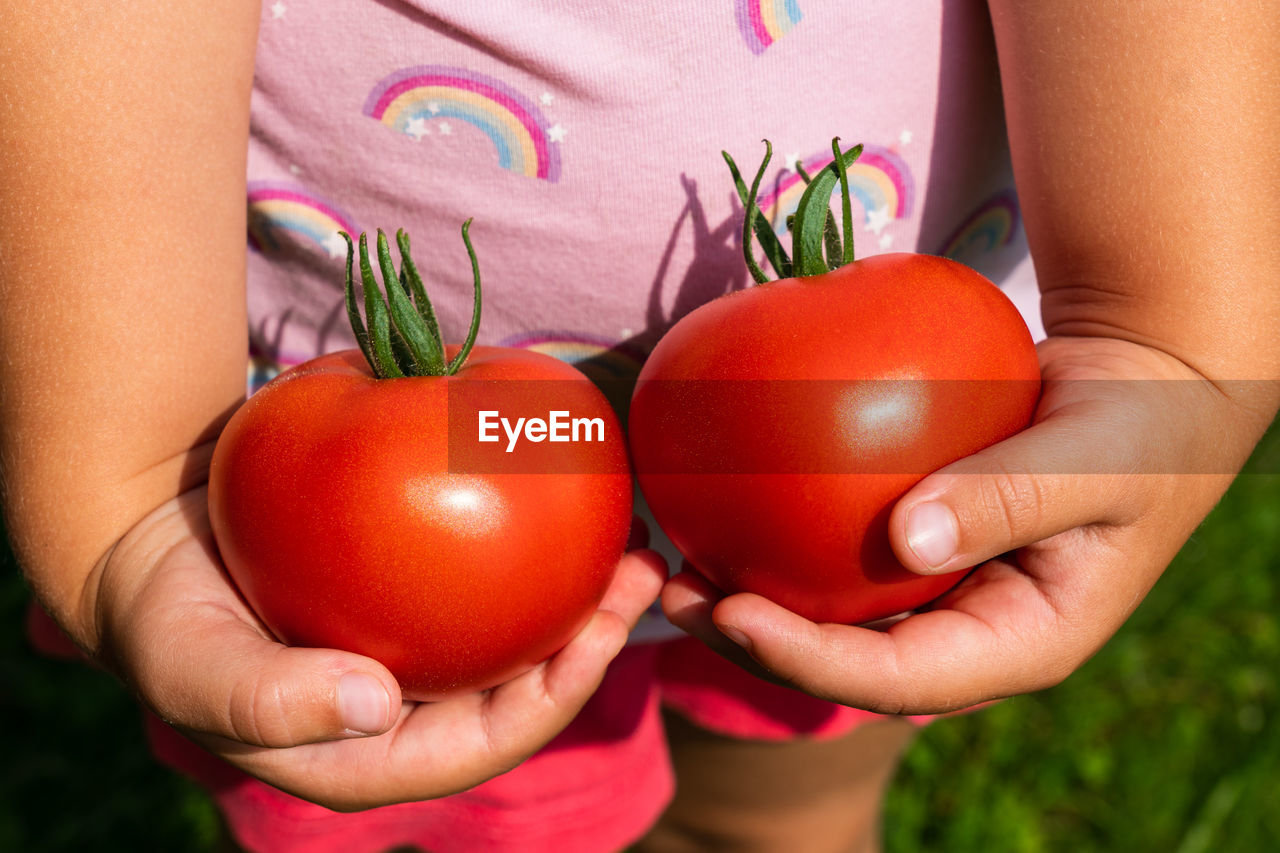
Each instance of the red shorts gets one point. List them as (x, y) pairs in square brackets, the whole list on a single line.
[(597, 787)]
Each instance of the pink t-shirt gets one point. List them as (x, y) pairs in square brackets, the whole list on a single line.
[(584, 140), (586, 143)]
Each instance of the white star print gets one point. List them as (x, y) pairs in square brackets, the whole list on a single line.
[(556, 133), (886, 241), (277, 10), (335, 245), (878, 218), (905, 137), (546, 98), (417, 128), (444, 128), (433, 107), (791, 161)]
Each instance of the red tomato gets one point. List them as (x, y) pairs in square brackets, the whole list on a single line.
[(773, 429), (351, 516)]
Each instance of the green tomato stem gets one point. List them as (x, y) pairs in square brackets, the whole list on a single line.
[(769, 242), (375, 311), (846, 207), (409, 275), (425, 353), (461, 357), (813, 213), (817, 246), (399, 336), (353, 311), (752, 212)]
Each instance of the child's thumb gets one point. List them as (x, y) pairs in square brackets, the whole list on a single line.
[(253, 690), (1014, 493)]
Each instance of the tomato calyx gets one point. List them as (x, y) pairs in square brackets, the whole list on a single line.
[(402, 337), (817, 245)]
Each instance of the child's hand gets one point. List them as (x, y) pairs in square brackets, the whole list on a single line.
[(1070, 522), (179, 634)]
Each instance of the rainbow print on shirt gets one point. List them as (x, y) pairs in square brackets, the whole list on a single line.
[(523, 139), (600, 359), (276, 208), (762, 22), (612, 367), (879, 182), (990, 227)]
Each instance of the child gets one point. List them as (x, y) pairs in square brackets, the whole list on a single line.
[(1140, 136)]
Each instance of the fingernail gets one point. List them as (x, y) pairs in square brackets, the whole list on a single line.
[(736, 635), (932, 533), (363, 703)]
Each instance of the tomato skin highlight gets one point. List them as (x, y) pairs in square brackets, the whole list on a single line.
[(343, 524), (772, 430)]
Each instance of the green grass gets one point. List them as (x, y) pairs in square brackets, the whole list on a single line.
[(1168, 740)]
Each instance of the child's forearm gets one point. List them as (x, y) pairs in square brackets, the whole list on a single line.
[(122, 340), (1143, 137)]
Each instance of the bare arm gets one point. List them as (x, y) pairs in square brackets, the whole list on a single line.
[(122, 159), (1143, 137)]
